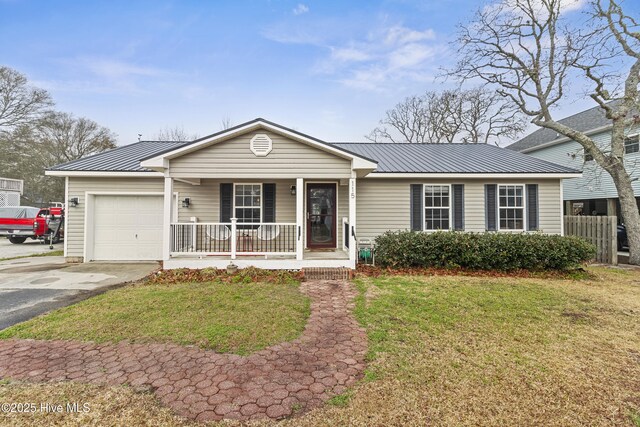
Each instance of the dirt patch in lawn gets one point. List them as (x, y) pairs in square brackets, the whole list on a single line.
[(108, 406)]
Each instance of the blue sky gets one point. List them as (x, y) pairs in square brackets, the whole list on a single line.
[(327, 68)]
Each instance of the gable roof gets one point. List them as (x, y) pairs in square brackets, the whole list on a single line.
[(381, 158), (585, 121), (121, 159), (254, 124), (451, 158)]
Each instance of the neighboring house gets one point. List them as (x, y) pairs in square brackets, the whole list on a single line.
[(264, 195), (594, 192), (10, 192)]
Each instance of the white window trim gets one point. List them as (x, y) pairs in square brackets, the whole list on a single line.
[(424, 208), (628, 137), (524, 208), (250, 207)]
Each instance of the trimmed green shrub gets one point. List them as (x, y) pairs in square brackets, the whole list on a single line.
[(482, 251)]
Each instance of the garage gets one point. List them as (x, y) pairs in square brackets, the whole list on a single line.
[(127, 227)]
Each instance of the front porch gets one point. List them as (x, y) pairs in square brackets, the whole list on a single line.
[(246, 230)]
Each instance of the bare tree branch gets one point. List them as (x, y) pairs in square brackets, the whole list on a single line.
[(19, 102), (470, 116), (176, 133), (226, 123), (528, 51)]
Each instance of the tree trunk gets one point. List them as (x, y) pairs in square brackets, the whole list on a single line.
[(629, 210)]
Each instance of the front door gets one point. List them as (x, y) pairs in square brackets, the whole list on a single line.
[(321, 216)]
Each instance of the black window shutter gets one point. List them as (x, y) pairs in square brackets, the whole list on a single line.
[(490, 206), (532, 207), (226, 202), (458, 207), (268, 203), (417, 212)]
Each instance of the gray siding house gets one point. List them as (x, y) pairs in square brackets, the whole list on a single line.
[(263, 195), (592, 193)]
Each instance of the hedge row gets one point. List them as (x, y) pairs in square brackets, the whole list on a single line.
[(482, 251)]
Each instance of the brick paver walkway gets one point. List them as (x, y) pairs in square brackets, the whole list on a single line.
[(204, 385)]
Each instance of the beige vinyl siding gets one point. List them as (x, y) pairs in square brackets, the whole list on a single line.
[(77, 188), (205, 199), (384, 204), (288, 159)]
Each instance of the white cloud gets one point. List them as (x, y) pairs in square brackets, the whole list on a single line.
[(384, 59), (116, 69), (300, 9), (109, 75), (381, 59), (349, 54), (537, 5), (400, 35)]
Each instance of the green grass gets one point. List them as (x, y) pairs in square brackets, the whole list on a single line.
[(237, 318), (496, 351), (50, 253), (412, 311)]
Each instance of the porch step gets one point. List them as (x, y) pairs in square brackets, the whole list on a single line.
[(326, 273)]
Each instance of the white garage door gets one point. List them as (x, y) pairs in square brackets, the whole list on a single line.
[(127, 228)]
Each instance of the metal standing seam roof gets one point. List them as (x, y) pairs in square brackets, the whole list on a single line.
[(121, 159), (587, 120), (451, 158), (391, 158)]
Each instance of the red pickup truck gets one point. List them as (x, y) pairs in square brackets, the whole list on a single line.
[(20, 222)]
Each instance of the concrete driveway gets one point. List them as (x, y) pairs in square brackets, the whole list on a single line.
[(33, 286), (29, 247)]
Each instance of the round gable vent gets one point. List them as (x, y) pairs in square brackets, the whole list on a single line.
[(261, 145)]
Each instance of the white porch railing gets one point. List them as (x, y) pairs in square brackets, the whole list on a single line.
[(233, 238)]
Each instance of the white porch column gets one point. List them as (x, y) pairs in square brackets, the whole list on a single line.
[(166, 229), (234, 237), (299, 218), (352, 221)]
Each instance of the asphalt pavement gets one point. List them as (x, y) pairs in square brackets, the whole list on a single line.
[(29, 247), (30, 287)]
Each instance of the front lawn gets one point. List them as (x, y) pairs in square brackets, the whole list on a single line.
[(457, 350), (238, 318), (497, 351)]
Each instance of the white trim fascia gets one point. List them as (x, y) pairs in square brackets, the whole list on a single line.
[(525, 218), (88, 206), (66, 215), (306, 208), (269, 264), (105, 174), (564, 139), (475, 175), (233, 208), (192, 181), (126, 193), (358, 163), (561, 208), (155, 162), (449, 207)]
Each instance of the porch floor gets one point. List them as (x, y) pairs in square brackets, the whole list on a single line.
[(337, 254), (335, 258)]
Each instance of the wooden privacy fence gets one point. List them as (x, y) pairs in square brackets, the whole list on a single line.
[(602, 231)]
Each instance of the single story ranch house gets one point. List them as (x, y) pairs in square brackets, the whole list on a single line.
[(264, 195)]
